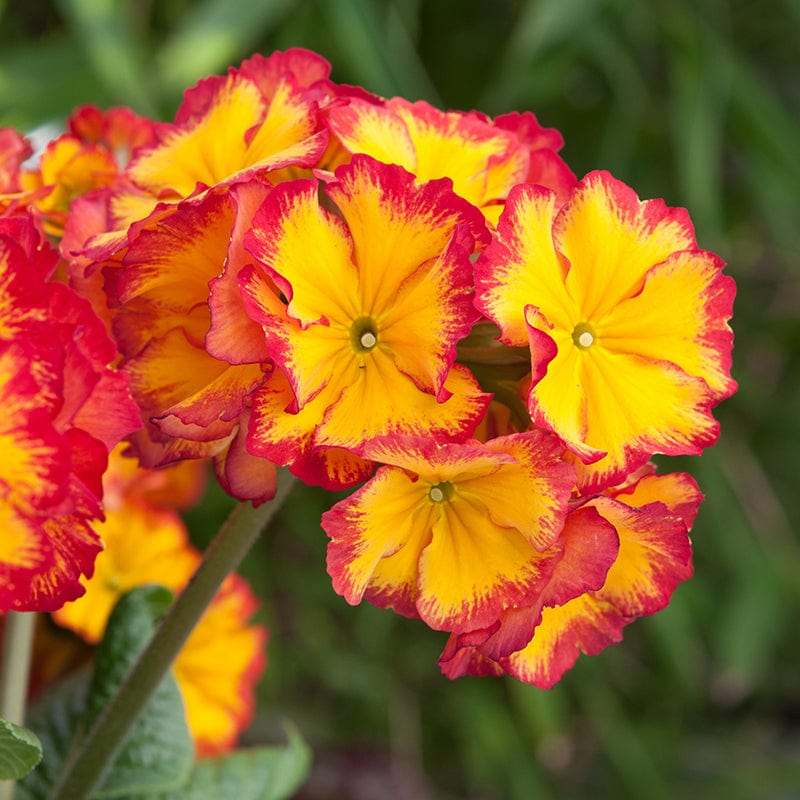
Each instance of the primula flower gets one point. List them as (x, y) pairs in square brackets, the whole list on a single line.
[(626, 319), (64, 408), (545, 166), (219, 666), (652, 518), (16, 198), (452, 533), (260, 118), (141, 544), (377, 299), (193, 354), (14, 149), (223, 658), (119, 130), (68, 168), (483, 161), (179, 487)]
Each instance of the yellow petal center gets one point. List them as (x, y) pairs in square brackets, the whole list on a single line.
[(441, 492), (363, 334), (584, 336)]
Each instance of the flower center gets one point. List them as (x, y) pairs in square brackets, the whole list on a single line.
[(584, 335), (441, 492), (363, 334)]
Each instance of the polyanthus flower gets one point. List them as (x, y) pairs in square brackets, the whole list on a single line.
[(484, 161), (192, 353), (141, 544), (652, 518), (64, 408), (223, 658), (378, 295), (120, 130), (14, 149), (626, 319), (453, 533), (219, 666), (545, 166), (260, 118), (67, 169)]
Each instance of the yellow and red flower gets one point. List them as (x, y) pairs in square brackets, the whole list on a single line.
[(67, 169), (14, 150), (219, 666), (64, 408), (223, 658), (192, 353), (258, 120), (626, 319), (545, 167), (377, 299), (652, 519), (484, 160), (452, 533)]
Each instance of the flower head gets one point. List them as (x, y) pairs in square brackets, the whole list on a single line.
[(191, 351), (626, 319), (376, 298), (483, 159), (652, 519), (259, 119), (452, 533)]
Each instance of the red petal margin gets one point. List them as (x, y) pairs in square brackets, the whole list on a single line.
[(654, 557), (589, 546), (55, 552), (242, 475)]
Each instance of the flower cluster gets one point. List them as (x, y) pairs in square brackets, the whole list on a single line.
[(429, 306)]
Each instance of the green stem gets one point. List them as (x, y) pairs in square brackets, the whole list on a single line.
[(86, 767), (15, 665)]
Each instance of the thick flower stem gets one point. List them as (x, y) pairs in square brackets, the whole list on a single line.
[(85, 769), (14, 668)]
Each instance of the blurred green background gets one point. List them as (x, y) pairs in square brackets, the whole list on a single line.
[(696, 101)]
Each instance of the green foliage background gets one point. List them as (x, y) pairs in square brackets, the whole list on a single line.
[(696, 101)]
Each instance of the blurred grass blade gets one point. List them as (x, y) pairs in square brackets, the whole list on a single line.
[(377, 48), (700, 78), (213, 35), (44, 82), (542, 26), (106, 30)]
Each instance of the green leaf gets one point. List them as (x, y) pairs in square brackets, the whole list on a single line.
[(55, 719), (20, 750), (257, 773), (159, 752)]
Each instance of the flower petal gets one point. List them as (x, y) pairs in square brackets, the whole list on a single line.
[(521, 267), (681, 314), (611, 239)]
